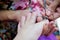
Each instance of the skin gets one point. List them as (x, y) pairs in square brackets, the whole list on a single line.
[(58, 9), (54, 4), (52, 7), (29, 30), (15, 15), (12, 15)]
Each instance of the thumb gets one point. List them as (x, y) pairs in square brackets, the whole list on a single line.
[(40, 25), (19, 27)]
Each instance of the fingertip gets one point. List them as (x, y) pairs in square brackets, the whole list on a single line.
[(56, 29), (52, 22), (39, 19), (51, 17)]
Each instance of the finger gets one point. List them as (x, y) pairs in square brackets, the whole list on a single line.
[(41, 2), (40, 25), (48, 12), (39, 18), (56, 15), (51, 17), (51, 23), (48, 28), (28, 17), (43, 13), (23, 19), (33, 18), (52, 29), (58, 10), (48, 2), (19, 26), (53, 5), (45, 30), (56, 29)]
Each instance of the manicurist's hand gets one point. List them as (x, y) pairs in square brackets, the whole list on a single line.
[(28, 29)]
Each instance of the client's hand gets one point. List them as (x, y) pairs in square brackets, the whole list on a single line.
[(49, 28)]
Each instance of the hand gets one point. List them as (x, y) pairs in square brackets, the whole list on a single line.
[(28, 29), (52, 7), (49, 28)]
